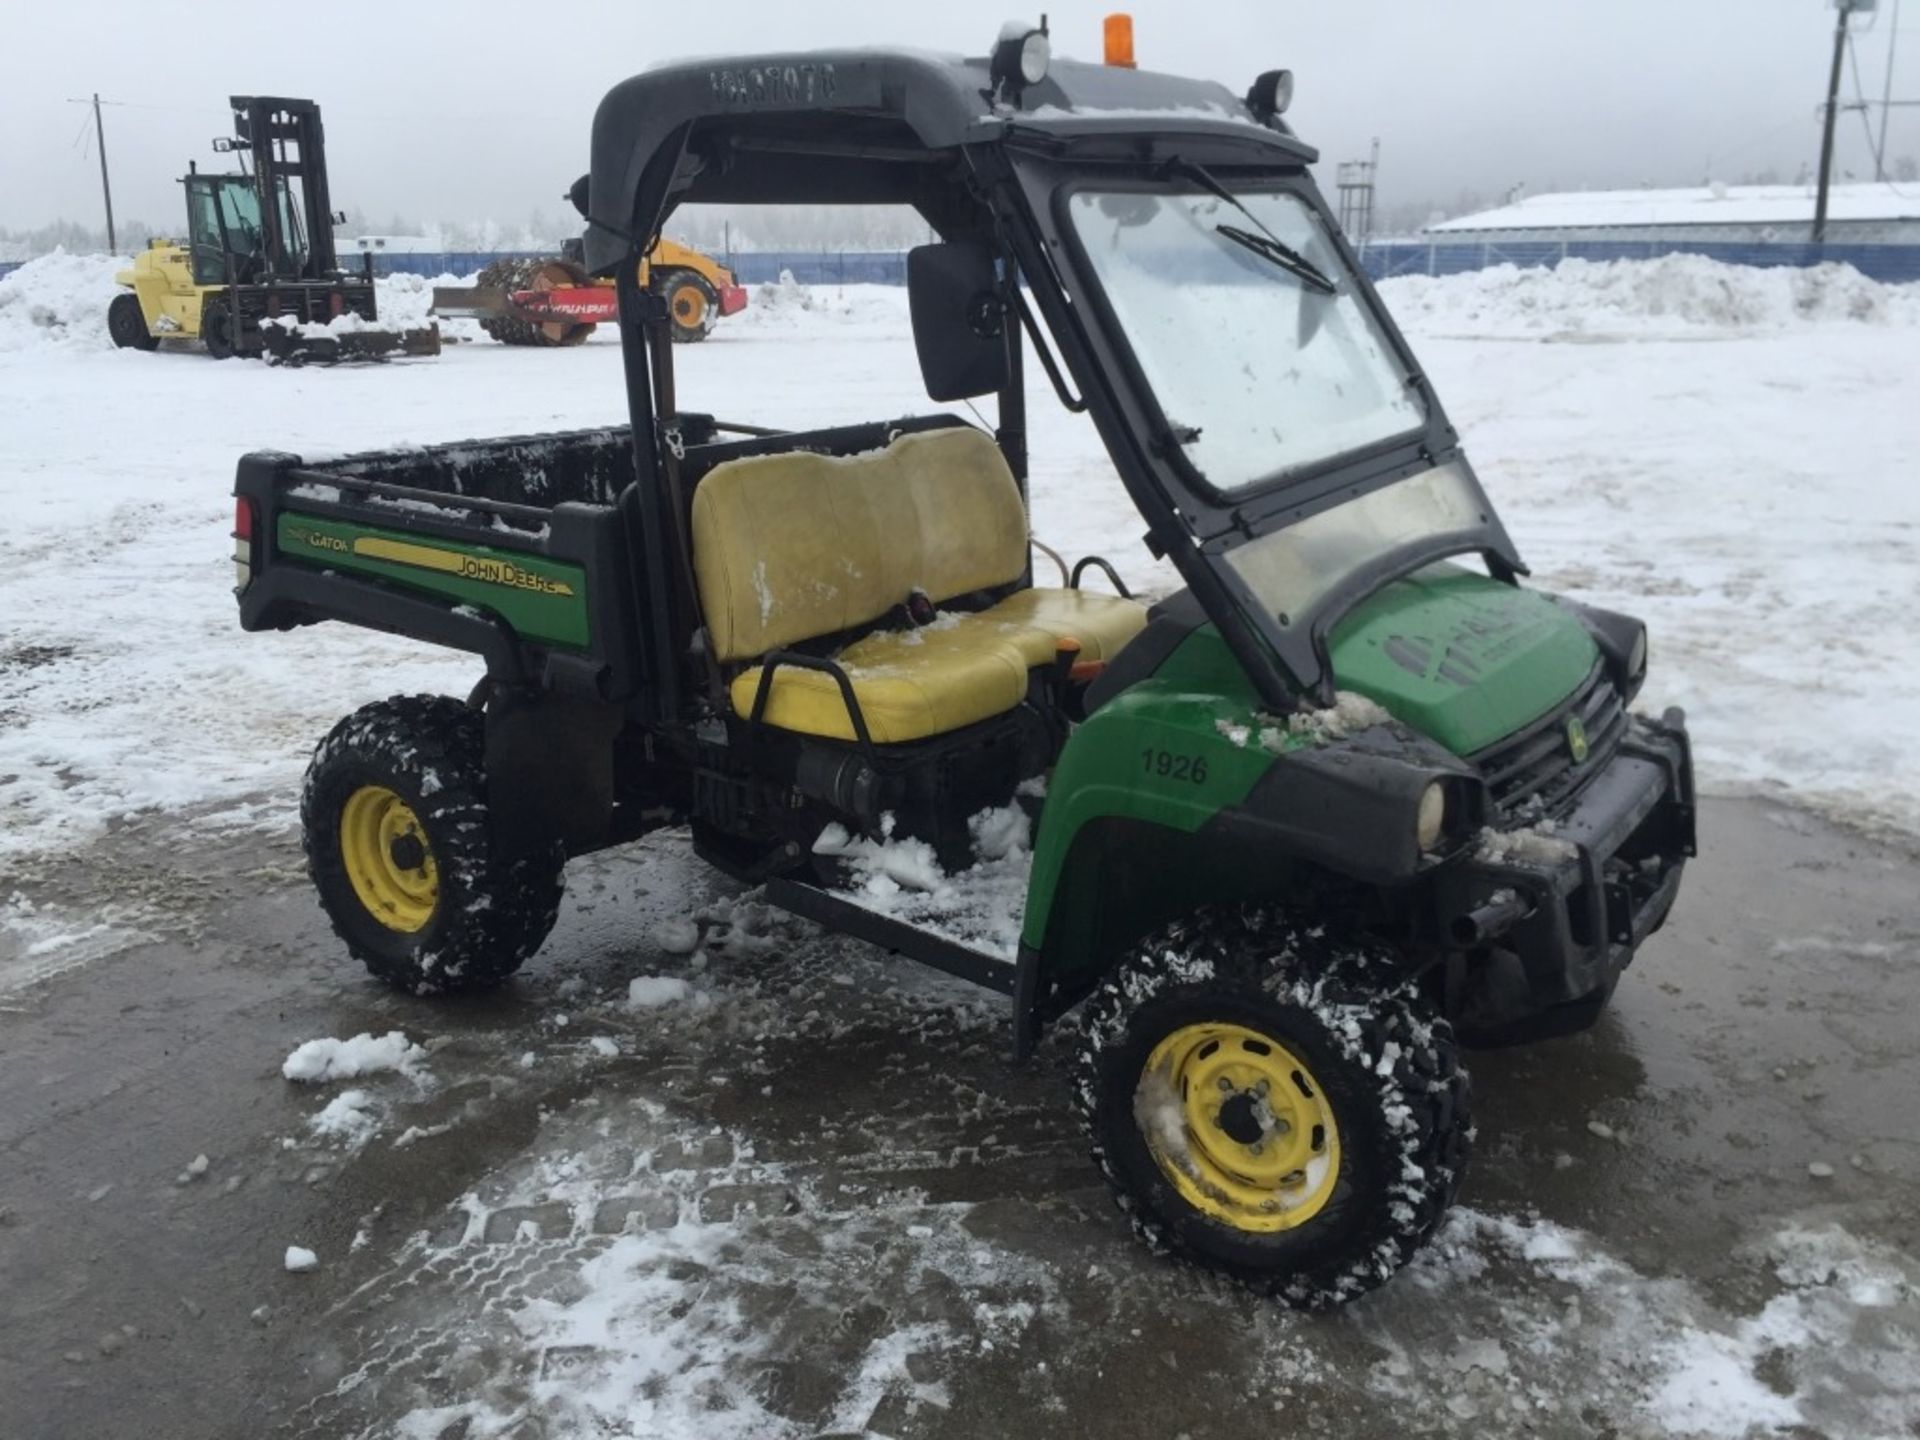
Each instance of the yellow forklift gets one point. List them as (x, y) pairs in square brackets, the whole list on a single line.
[(258, 274)]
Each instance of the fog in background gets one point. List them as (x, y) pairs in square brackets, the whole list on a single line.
[(474, 117)]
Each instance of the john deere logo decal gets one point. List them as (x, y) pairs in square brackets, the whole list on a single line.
[(1577, 744), (469, 567)]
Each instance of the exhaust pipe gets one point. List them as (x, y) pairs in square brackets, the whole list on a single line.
[(1488, 921)]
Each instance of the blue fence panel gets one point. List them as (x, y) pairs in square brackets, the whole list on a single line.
[(1892, 264), (756, 267)]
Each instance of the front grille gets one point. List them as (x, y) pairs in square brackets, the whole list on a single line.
[(1534, 772)]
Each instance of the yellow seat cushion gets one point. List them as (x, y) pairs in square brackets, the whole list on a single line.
[(911, 684), (1101, 623), (964, 668), (793, 546)]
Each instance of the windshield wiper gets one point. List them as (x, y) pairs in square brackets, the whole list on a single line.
[(1283, 255), (1266, 243)]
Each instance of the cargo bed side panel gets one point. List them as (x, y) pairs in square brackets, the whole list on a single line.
[(542, 600)]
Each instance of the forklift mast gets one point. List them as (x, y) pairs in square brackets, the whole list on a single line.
[(288, 144)]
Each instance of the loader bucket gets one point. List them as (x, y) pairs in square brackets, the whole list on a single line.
[(470, 302)]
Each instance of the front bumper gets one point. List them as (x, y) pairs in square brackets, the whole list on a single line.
[(733, 299), (1575, 898)]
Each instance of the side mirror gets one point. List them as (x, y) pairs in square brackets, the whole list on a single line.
[(953, 295)]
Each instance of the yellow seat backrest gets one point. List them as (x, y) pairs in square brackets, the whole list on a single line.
[(788, 547)]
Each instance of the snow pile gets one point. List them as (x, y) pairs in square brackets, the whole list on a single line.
[(59, 299), (318, 1061), (981, 907), (405, 302), (1675, 294), (786, 305)]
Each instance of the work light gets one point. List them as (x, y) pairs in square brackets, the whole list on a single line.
[(1021, 55), (1271, 94)]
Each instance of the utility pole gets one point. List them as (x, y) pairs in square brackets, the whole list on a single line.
[(1846, 9), (100, 137), (106, 190), (1886, 99)]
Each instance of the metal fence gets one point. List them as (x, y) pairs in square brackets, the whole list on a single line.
[(1395, 257), (754, 267), (1892, 263)]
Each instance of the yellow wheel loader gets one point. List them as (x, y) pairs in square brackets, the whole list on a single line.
[(258, 274), (555, 302)]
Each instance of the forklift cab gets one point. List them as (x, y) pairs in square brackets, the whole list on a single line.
[(227, 234)]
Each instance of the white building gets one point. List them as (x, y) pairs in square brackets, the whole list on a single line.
[(1857, 214)]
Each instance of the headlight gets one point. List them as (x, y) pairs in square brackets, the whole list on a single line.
[(1432, 817), (1637, 659)]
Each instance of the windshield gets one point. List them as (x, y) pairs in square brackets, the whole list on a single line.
[(240, 211), (1290, 572), (1259, 369)]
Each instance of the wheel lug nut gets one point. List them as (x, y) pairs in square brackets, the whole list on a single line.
[(1261, 1089), (1225, 1083), (1256, 1148)]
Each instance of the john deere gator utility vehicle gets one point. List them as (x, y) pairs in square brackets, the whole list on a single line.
[(258, 274), (1353, 794)]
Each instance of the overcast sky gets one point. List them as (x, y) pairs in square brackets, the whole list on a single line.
[(481, 109)]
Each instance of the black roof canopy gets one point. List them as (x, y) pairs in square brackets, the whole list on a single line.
[(861, 127)]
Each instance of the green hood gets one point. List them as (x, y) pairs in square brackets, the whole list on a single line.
[(1461, 658)]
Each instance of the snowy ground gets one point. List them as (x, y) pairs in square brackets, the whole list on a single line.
[(1727, 453)]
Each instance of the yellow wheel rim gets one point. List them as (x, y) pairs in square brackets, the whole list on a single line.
[(689, 306), (1240, 1127), (388, 860)]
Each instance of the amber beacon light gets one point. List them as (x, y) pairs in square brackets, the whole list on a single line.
[(1120, 40)]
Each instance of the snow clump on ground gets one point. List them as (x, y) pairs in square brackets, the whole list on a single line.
[(319, 1061), (650, 992)]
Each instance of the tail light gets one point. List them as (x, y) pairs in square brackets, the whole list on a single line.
[(244, 517)]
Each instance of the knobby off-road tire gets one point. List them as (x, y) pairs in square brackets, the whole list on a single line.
[(512, 275), (691, 303), (1304, 1006), (127, 324), (400, 846)]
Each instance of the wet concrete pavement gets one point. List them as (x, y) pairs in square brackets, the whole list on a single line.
[(822, 1201)]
